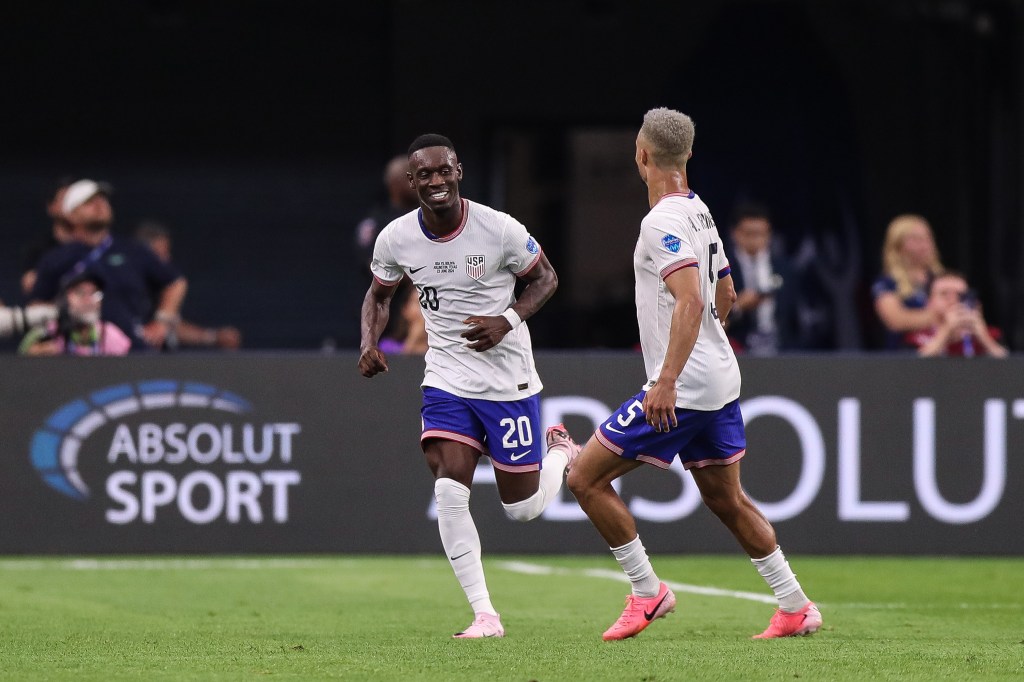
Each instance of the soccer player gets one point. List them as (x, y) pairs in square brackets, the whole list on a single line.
[(689, 406), (480, 388)]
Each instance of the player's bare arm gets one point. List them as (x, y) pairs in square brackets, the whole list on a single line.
[(374, 317), (725, 297), (486, 332), (660, 401)]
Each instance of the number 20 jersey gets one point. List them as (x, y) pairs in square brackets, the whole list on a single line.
[(472, 271), (678, 233)]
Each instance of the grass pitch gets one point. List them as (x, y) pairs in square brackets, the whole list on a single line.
[(391, 619)]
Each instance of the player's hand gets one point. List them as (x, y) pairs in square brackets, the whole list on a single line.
[(660, 406), (485, 332), (372, 362)]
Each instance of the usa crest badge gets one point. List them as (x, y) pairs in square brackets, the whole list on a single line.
[(475, 266)]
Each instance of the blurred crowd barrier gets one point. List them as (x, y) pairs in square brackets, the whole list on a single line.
[(298, 453)]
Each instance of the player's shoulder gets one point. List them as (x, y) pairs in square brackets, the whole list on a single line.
[(486, 214), (405, 223)]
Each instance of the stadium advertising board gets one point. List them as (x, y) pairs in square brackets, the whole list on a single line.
[(255, 453)]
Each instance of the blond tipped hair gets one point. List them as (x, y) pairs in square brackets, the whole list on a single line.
[(670, 134), (892, 253)]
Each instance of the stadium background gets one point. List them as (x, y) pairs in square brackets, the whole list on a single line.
[(258, 130)]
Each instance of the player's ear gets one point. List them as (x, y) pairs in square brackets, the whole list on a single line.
[(458, 172), (412, 181)]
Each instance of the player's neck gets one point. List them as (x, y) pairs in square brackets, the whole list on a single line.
[(442, 223), (661, 183)]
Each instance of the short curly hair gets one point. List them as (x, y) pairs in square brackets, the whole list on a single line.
[(670, 133)]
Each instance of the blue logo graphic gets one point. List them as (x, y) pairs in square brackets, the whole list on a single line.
[(55, 447), (671, 243), (531, 245)]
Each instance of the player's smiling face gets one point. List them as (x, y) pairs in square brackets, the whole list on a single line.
[(435, 173)]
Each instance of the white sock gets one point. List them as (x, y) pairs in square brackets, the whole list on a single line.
[(780, 577), (462, 542), (551, 475), (633, 559)]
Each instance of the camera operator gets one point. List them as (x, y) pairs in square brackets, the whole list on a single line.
[(962, 330), (78, 329)]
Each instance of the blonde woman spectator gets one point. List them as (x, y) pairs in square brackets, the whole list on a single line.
[(910, 260)]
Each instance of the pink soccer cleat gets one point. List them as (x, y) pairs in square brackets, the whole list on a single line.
[(641, 612), (485, 625), (557, 436), (806, 621)]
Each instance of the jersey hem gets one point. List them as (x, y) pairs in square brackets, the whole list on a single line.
[(496, 396)]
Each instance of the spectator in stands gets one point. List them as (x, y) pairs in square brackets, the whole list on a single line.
[(961, 329), (78, 329), (764, 318), (158, 238), (401, 199), (60, 233), (128, 269), (910, 260)]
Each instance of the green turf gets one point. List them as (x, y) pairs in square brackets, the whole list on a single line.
[(391, 619)]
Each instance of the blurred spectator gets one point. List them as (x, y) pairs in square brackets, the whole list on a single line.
[(764, 319), (78, 329), (129, 270), (961, 329), (409, 334), (60, 233), (158, 238), (401, 199), (910, 260)]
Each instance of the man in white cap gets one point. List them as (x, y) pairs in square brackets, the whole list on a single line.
[(128, 269)]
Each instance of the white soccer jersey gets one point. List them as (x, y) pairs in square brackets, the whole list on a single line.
[(677, 233), (472, 271)]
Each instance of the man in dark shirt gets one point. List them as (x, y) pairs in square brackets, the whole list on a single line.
[(128, 269)]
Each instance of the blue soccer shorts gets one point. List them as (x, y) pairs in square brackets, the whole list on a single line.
[(507, 431), (702, 438)]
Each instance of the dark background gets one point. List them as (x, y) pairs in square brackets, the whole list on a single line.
[(258, 131)]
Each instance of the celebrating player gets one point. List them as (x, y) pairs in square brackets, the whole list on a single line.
[(689, 406), (480, 389)]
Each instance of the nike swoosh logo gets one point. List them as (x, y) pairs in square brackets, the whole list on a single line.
[(612, 428), (456, 558), (413, 271), (650, 616), (516, 458)]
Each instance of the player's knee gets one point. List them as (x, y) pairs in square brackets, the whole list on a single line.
[(576, 483), (723, 503), (525, 510), (451, 496)]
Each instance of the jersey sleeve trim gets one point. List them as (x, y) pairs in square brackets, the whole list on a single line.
[(529, 267), (385, 283), (678, 265), (725, 272)]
